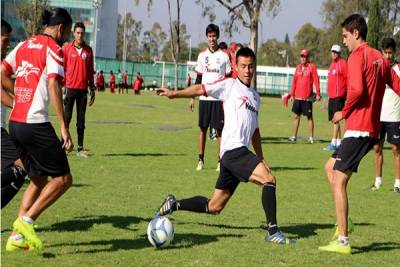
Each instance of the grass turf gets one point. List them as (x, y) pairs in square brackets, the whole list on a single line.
[(144, 147)]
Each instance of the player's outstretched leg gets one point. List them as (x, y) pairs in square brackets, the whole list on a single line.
[(194, 204)]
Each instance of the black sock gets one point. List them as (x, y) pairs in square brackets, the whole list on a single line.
[(12, 179), (195, 204), (268, 199), (201, 157)]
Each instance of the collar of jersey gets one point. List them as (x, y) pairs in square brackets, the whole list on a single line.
[(248, 86)]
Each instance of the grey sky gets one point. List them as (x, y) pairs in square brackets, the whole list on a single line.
[(293, 14)]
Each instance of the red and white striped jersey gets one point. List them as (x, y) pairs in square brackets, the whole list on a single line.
[(34, 61)]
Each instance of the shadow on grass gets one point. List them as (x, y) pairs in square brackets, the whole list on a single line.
[(285, 140), (376, 246), (225, 226), (80, 185), (141, 155), (286, 168), (180, 241), (86, 222)]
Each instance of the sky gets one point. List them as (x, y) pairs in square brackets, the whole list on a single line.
[(293, 14)]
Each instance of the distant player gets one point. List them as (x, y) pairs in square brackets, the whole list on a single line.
[(212, 65), (304, 77), (112, 82), (119, 82), (125, 81), (79, 69), (368, 72), (337, 82), (390, 123), (238, 163), (137, 84), (38, 66), (100, 81)]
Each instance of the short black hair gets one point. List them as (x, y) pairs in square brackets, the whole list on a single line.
[(101, 72), (212, 28), (223, 45), (356, 22), (56, 16), (5, 27), (79, 25), (388, 42), (245, 52)]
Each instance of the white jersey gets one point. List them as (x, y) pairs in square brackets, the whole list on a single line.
[(213, 66), (241, 106), (391, 103)]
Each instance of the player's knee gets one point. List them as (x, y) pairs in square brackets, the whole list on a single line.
[(65, 181), (396, 150), (215, 209), (328, 167)]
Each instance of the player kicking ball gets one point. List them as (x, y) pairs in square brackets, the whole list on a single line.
[(238, 163)]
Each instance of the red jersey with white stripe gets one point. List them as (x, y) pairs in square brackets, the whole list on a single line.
[(34, 61), (78, 66), (212, 66), (303, 79), (337, 78), (368, 74)]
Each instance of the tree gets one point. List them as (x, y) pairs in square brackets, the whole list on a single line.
[(374, 24), (30, 14), (247, 12), (287, 40), (275, 53), (184, 49), (133, 30), (152, 42)]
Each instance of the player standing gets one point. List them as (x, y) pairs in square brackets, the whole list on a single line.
[(238, 163), (212, 65), (79, 69)]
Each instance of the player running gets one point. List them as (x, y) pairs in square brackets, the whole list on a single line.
[(238, 163), (38, 66)]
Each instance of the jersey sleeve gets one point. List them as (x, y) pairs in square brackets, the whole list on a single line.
[(55, 63), (216, 89), (395, 79), (199, 68), (228, 68), (10, 62)]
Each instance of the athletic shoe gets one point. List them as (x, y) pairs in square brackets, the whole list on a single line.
[(279, 238), (396, 189), (350, 229), (166, 206), (311, 140), (200, 165), (336, 246), (27, 230), (82, 154), (14, 245), (218, 167), (375, 187), (330, 147), (292, 139)]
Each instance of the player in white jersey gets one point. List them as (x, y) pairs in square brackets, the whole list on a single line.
[(390, 123), (238, 163), (213, 64)]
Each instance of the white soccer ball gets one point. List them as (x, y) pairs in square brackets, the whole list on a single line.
[(160, 232)]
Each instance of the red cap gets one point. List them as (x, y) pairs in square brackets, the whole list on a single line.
[(304, 52)]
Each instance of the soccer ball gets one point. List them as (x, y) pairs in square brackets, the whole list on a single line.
[(160, 232)]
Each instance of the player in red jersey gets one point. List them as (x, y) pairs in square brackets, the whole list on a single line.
[(368, 74), (38, 67), (112, 82)]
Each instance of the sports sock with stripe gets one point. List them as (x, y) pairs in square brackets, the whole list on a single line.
[(268, 199)]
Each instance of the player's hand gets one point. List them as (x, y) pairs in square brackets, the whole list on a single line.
[(66, 137), (164, 92), (191, 104), (318, 98), (338, 116), (92, 97)]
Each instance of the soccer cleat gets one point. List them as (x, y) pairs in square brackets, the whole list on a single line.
[(28, 231), (279, 238), (218, 167), (336, 246), (19, 244), (200, 165), (82, 154), (375, 187), (350, 229), (166, 206), (396, 189), (311, 140), (292, 139), (330, 147)]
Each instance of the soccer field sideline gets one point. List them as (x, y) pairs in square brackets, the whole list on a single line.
[(145, 147)]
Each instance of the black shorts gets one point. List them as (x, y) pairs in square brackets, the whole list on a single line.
[(44, 153), (391, 130), (211, 114), (236, 166), (302, 107), (335, 105), (351, 151), (10, 152)]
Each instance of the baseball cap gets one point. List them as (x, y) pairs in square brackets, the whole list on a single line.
[(336, 48), (304, 52)]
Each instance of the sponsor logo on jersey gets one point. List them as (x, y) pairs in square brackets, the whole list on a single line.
[(84, 55), (32, 45), (247, 104), (25, 70), (22, 95)]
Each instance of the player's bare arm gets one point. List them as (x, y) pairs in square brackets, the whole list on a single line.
[(6, 82), (191, 91)]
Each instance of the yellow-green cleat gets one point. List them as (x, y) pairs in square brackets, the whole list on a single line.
[(337, 247), (17, 244), (350, 229), (28, 231)]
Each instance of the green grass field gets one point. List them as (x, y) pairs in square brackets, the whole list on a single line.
[(145, 146)]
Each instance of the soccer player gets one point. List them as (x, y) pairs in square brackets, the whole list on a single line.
[(38, 67), (12, 169), (212, 65), (119, 82), (304, 77), (337, 79), (125, 81), (79, 69), (390, 123), (137, 84), (112, 82), (368, 72), (100, 81), (238, 163)]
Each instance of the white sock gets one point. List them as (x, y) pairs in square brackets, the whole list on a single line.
[(27, 219), (16, 237), (397, 182), (338, 142), (344, 240), (378, 181), (333, 142)]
